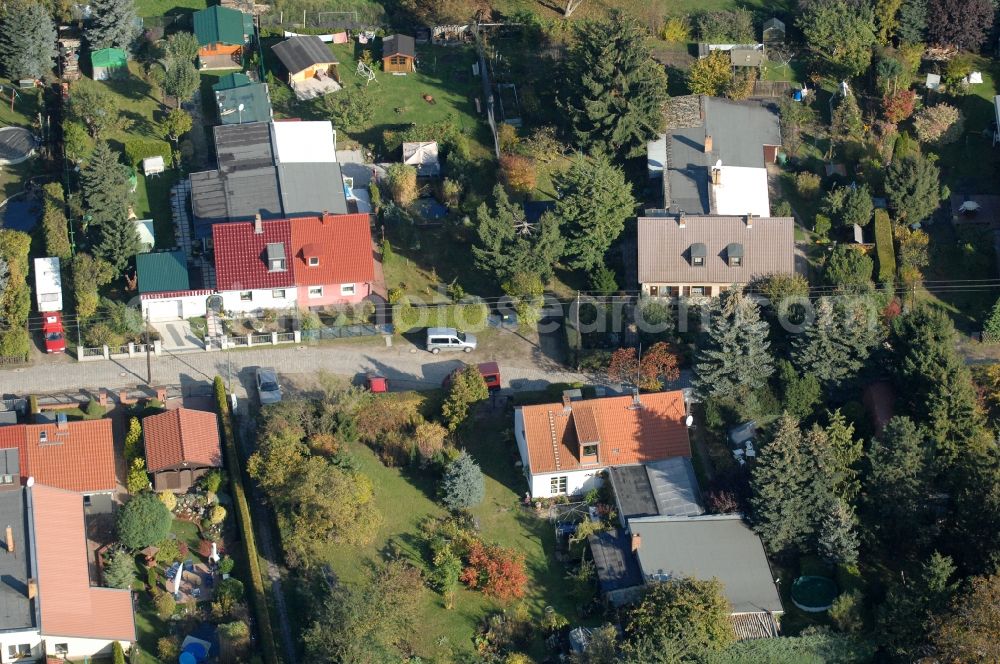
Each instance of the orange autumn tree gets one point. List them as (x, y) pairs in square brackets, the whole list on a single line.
[(658, 363), (496, 570)]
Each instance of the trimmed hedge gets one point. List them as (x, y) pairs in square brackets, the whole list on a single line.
[(137, 149), (883, 247), (258, 597), (464, 317)]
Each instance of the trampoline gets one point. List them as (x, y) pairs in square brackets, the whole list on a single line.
[(814, 594), (16, 145)]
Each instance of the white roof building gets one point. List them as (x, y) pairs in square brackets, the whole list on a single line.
[(144, 228), (304, 142), (48, 284), (423, 155), (740, 190)]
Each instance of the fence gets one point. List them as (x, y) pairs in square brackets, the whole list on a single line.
[(84, 354), (488, 101), (346, 331), (13, 361), (365, 18)]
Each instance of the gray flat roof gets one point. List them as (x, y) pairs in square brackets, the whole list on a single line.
[(302, 51), (312, 188), (675, 487), (739, 132), (243, 146), (16, 611), (633, 493), (616, 566), (706, 547)]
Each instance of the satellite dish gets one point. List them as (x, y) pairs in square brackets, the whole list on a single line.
[(718, 164), (689, 420), (30, 482), (241, 107)]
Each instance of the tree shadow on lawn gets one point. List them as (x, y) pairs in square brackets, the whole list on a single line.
[(132, 87)]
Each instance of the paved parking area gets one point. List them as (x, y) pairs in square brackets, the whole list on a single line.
[(177, 335)]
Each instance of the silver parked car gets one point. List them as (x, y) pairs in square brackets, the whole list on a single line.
[(448, 338), (268, 388)]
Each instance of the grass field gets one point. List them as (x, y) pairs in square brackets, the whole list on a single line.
[(154, 8), (406, 497), (25, 108)]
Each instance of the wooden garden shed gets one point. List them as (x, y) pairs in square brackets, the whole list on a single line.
[(399, 53)]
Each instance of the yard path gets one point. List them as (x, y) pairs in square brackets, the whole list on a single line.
[(262, 520), (526, 367)]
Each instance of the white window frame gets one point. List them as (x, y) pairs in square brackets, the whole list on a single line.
[(558, 486), (313, 261), (278, 294), (315, 291), (698, 261), (348, 289), (246, 296)]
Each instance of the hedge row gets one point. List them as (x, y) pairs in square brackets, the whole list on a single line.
[(464, 317), (883, 247), (258, 598), (137, 149)]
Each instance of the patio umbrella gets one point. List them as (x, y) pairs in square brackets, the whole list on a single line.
[(177, 579), (969, 206)]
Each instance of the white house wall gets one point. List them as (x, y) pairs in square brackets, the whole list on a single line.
[(31, 637), (260, 299), (577, 482), (81, 648), (184, 306)]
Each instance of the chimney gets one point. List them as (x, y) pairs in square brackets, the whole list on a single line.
[(749, 220), (10, 540), (32, 588), (258, 225), (716, 175), (636, 542), (567, 403), (681, 220), (161, 395), (636, 402), (323, 217), (708, 144), (62, 423)]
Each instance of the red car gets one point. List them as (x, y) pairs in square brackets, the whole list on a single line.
[(490, 371), (52, 330), (376, 384)]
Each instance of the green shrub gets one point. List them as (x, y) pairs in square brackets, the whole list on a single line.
[(15, 342), (258, 598), (676, 30), (95, 410), (807, 184), (822, 227), (883, 247), (815, 566), (137, 149), (465, 317)]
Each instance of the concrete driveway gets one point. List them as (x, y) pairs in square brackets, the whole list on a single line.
[(177, 335)]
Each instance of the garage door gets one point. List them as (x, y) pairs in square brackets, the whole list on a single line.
[(163, 310)]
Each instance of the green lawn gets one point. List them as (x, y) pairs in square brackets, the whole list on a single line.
[(971, 164), (443, 73), (406, 497), (26, 105), (154, 8)]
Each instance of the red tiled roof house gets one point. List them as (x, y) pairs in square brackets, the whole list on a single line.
[(76, 455), (303, 261), (181, 446), (565, 447), (51, 603)]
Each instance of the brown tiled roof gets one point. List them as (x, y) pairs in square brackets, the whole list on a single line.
[(69, 606), (665, 248), (181, 436), (79, 458), (627, 434)]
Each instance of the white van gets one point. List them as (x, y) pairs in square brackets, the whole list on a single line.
[(448, 338)]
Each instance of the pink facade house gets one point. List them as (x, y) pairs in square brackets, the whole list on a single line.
[(302, 262), (332, 259)]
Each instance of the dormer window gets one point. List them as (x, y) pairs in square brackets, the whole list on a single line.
[(276, 257), (698, 254), (313, 261), (734, 254)]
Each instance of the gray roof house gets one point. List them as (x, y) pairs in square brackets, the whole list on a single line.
[(678, 251), (713, 157), (250, 180), (666, 534)]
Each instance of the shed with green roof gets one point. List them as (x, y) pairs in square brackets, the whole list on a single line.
[(162, 271), (239, 100), (222, 35), (108, 62)]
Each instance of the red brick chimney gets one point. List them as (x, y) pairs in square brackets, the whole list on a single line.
[(636, 542)]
